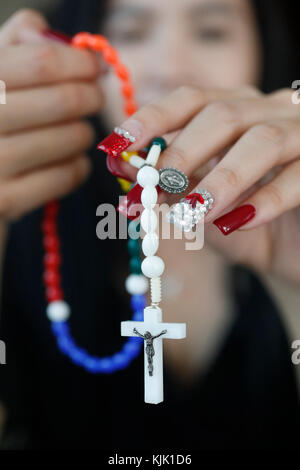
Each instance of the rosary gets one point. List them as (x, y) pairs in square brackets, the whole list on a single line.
[(146, 329)]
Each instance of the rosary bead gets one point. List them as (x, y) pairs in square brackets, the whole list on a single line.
[(130, 107), (138, 303), (148, 220), (147, 176), (135, 265), (122, 72), (82, 40), (110, 55), (150, 244), (149, 197), (52, 260), (153, 266), (127, 90), (136, 284), (159, 141), (58, 310), (153, 155), (133, 247), (98, 42)]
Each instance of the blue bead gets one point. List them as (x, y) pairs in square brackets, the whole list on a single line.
[(60, 327), (138, 302), (120, 360)]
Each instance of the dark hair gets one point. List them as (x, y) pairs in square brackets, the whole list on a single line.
[(277, 20)]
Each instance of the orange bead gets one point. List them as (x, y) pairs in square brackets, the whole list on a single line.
[(127, 90), (130, 107), (110, 55), (98, 42), (122, 72), (81, 40)]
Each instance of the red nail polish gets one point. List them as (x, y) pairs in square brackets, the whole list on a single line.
[(131, 205), (56, 35), (235, 219), (114, 144), (194, 198), (114, 165)]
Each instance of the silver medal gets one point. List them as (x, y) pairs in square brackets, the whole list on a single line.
[(172, 180)]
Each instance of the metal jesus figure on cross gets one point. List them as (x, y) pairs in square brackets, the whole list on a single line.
[(151, 331)]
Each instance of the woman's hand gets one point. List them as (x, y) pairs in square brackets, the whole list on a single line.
[(50, 88), (259, 138)]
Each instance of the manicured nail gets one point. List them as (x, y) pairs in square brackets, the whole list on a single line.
[(133, 198), (116, 167), (121, 138), (56, 35), (131, 205), (235, 219)]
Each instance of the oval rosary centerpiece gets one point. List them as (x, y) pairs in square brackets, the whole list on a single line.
[(172, 180)]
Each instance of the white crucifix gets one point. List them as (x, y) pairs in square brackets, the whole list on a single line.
[(153, 331)]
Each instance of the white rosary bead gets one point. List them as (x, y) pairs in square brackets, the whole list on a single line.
[(136, 284), (147, 176), (153, 155), (148, 220), (149, 196), (153, 266), (58, 310), (155, 284), (150, 244), (136, 161)]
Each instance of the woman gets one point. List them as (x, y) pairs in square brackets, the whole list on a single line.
[(231, 384)]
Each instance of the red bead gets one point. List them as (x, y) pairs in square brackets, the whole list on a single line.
[(54, 293), (114, 144), (127, 90), (110, 55), (130, 108), (49, 226), (52, 278), (122, 72), (52, 260), (51, 243)]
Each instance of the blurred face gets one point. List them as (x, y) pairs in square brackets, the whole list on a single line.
[(169, 43)]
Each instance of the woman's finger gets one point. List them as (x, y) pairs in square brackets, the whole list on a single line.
[(28, 65), (19, 24), (49, 105), (174, 111), (270, 201), (259, 150), (218, 126), (30, 191), (26, 151)]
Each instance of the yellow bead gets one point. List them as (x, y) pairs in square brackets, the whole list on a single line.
[(125, 185), (126, 155)]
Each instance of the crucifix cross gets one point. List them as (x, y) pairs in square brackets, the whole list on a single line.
[(153, 331)]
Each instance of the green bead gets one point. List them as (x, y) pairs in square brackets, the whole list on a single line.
[(133, 247), (135, 265), (159, 141)]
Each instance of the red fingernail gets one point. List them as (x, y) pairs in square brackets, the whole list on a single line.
[(56, 35), (235, 219), (116, 142), (131, 205), (194, 198), (115, 166)]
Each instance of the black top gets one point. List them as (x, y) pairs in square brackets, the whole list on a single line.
[(247, 399)]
